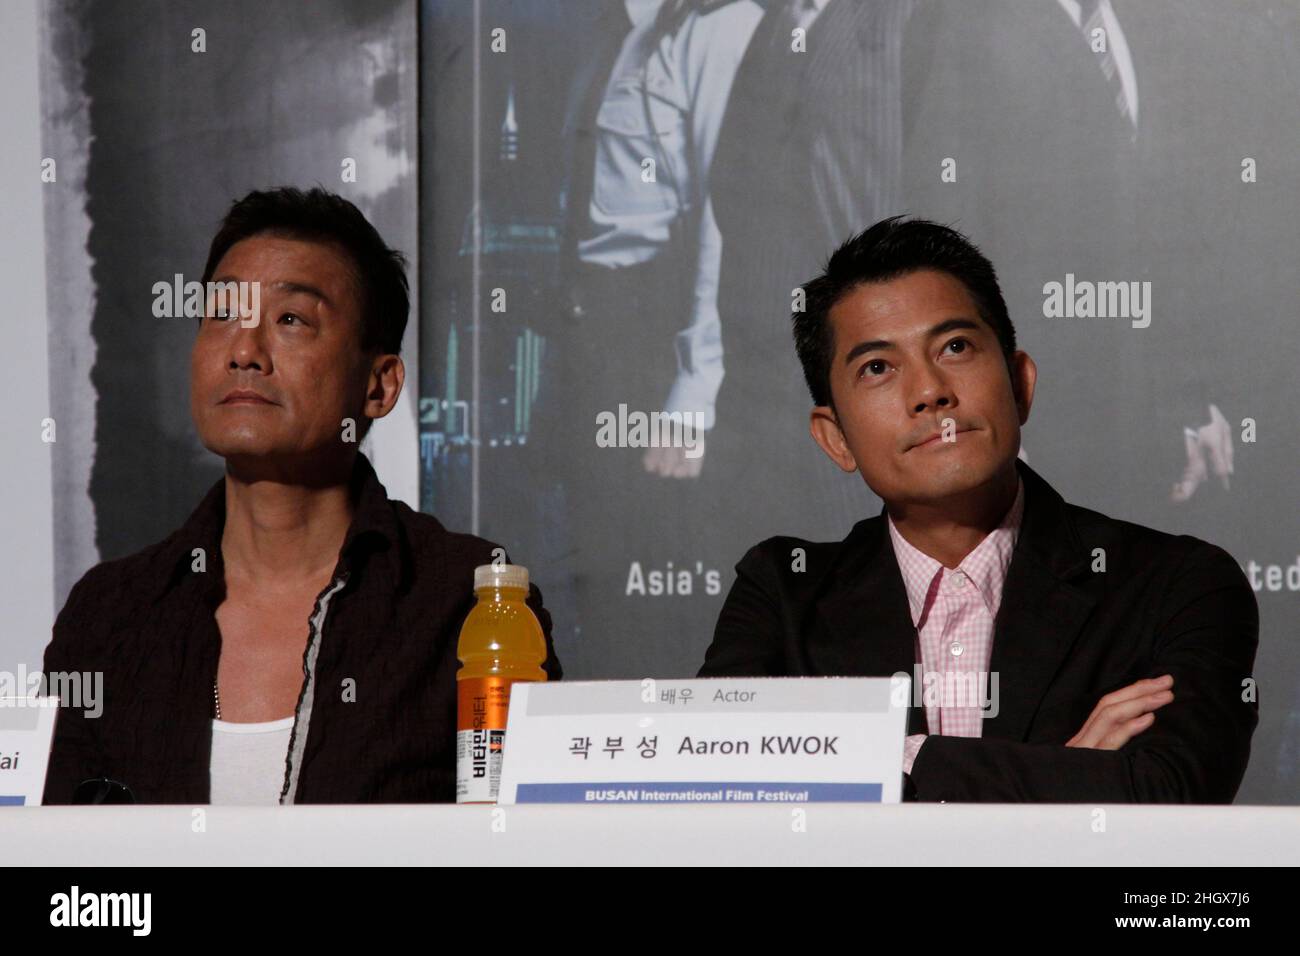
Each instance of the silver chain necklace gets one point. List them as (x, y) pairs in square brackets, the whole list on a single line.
[(216, 699)]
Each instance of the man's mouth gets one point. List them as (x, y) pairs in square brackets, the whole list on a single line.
[(938, 439), (245, 396)]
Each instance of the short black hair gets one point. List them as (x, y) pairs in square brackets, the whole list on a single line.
[(892, 248), (320, 215)]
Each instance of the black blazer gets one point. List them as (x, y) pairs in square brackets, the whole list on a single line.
[(1065, 635)]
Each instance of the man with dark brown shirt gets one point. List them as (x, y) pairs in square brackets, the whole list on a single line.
[(295, 640)]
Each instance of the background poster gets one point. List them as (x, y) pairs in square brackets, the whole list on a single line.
[(1165, 154)]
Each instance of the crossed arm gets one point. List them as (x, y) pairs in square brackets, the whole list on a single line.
[(1192, 751)]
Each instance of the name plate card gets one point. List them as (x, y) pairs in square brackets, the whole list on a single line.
[(26, 733), (733, 740)]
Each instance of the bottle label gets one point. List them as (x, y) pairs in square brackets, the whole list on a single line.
[(482, 704)]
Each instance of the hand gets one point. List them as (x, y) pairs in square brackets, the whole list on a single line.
[(1123, 714), (671, 462)]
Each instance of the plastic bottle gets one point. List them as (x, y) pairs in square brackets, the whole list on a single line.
[(501, 642)]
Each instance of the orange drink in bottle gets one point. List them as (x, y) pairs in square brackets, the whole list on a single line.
[(501, 642)]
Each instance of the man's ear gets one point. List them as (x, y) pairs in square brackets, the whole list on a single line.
[(825, 428), (1024, 376), (387, 374)]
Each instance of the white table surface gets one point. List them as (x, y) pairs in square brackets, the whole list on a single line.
[(782, 834)]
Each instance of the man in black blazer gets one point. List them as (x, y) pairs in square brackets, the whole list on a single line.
[(910, 358)]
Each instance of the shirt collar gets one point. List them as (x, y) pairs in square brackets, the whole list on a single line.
[(986, 565), (373, 526)]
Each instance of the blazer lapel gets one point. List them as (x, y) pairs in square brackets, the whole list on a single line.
[(862, 624), (1042, 611)]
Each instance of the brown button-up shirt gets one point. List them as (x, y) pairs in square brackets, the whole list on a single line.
[(376, 717)]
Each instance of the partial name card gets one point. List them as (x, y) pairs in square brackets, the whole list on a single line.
[(26, 733)]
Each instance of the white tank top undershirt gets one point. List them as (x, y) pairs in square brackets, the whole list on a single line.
[(247, 765)]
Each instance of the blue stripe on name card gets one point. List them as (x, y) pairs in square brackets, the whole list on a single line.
[(711, 791), (8, 801)]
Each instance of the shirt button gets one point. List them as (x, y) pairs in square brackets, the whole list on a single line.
[(959, 580), (956, 649)]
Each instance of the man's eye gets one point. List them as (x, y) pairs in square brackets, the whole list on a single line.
[(290, 318), (963, 343), (874, 367)]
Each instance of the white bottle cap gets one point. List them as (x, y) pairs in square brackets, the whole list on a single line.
[(501, 576)]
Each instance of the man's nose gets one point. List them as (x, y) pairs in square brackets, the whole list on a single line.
[(929, 389), (248, 349)]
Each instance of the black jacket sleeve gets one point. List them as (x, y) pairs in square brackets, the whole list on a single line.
[(747, 639), (552, 665), (75, 754)]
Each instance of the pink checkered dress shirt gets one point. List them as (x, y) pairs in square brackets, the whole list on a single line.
[(954, 612)]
